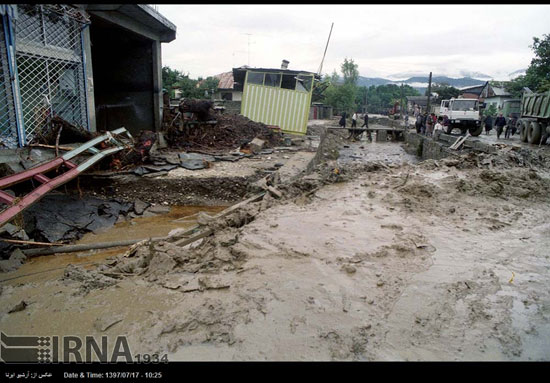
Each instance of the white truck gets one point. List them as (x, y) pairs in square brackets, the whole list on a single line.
[(463, 114)]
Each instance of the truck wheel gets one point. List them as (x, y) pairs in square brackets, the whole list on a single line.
[(534, 133), (545, 133), (475, 130), (523, 132), (450, 128)]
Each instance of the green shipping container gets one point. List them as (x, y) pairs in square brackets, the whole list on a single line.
[(280, 98)]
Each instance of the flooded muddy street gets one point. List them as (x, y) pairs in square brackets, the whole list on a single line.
[(387, 258)]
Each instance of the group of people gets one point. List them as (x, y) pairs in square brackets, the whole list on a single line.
[(427, 124), (499, 123), (354, 132)]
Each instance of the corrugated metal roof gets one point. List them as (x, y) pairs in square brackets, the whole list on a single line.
[(500, 91), (226, 80)]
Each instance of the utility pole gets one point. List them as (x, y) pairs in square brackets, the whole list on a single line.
[(429, 93), (326, 47), (401, 102)]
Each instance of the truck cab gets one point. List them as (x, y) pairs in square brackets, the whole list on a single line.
[(463, 114)]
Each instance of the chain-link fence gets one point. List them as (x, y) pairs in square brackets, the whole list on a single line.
[(8, 125), (50, 68)]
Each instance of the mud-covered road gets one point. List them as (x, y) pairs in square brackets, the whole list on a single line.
[(437, 260)]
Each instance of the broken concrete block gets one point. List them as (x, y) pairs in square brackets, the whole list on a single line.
[(196, 156), (256, 145), (203, 218), (161, 141), (17, 255), (14, 232), (140, 206), (381, 136), (159, 209), (193, 164)]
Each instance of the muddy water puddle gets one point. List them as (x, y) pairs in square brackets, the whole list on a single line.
[(48, 267)]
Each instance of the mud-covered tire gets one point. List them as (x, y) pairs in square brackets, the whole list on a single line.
[(534, 133), (476, 130), (523, 132), (545, 129)]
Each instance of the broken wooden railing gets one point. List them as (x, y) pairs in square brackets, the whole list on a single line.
[(17, 204)]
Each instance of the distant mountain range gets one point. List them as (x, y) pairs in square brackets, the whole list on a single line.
[(420, 83)]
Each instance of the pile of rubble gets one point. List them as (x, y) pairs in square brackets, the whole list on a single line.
[(230, 132)]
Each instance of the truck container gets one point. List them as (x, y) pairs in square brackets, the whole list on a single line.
[(533, 123)]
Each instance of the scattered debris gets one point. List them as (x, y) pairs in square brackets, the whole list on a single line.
[(18, 307)]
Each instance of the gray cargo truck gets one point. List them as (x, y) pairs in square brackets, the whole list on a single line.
[(534, 121)]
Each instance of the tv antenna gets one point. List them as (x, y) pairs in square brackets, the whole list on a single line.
[(248, 34)]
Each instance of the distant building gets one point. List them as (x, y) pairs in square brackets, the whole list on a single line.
[(496, 96), (479, 92), (226, 90), (280, 97), (412, 101)]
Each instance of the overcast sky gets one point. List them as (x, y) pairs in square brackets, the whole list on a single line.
[(384, 40)]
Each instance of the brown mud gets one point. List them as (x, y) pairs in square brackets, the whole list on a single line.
[(375, 259)]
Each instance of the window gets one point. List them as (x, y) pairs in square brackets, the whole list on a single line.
[(464, 105), (255, 78), (289, 82), (303, 83), (272, 79), (227, 96)]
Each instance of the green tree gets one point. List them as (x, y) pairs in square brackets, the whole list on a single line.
[(350, 71), (341, 97), (381, 98), (170, 77), (537, 76), (208, 86), (491, 110), (445, 91), (540, 64)]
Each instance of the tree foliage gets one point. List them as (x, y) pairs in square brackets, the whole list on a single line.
[(346, 96), (381, 98), (190, 88), (491, 110), (445, 91), (537, 76), (349, 71)]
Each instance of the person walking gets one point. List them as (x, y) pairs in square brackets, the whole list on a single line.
[(513, 121), (424, 121), (366, 125), (429, 125), (438, 128), (488, 124), (446, 122), (418, 124), (354, 120), (499, 124), (509, 127), (342, 122)]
